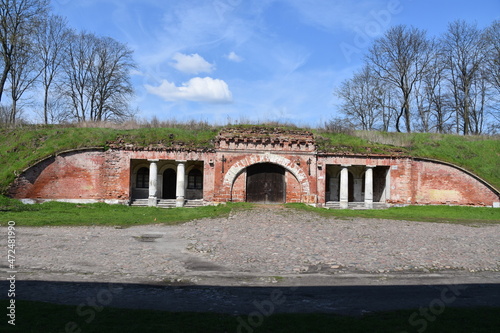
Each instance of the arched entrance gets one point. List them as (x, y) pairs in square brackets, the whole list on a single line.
[(169, 184), (266, 183)]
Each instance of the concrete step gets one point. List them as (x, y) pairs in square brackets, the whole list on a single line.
[(167, 203), (194, 203), (332, 205), (139, 202), (355, 205)]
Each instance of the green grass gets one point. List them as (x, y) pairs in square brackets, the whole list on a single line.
[(449, 214), (341, 143), (59, 213), (478, 155), (42, 317)]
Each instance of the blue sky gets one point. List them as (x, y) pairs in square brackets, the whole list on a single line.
[(254, 60)]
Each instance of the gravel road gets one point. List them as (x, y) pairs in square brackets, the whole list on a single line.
[(258, 246)]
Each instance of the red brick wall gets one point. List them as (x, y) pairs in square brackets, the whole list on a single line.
[(401, 188), (100, 175), (95, 175), (76, 175), (422, 182), (293, 190), (230, 184), (437, 183), (239, 193)]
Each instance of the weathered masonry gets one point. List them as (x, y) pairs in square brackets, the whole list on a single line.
[(263, 166)]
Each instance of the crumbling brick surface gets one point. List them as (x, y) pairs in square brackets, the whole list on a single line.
[(106, 175)]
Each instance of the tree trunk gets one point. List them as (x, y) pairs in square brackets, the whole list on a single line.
[(46, 105), (3, 79), (13, 112)]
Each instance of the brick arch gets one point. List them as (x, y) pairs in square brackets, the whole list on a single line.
[(241, 165)]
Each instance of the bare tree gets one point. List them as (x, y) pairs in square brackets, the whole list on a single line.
[(78, 63), (51, 42), (361, 99), (465, 55), (24, 71), (97, 78), (19, 20), (400, 58), (492, 41), (111, 79), (4, 115), (422, 122), (435, 96)]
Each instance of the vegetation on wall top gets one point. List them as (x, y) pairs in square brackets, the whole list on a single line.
[(23, 146)]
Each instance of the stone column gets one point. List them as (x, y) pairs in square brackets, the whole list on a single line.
[(369, 186), (344, 187), (153, 183), (181, 183)]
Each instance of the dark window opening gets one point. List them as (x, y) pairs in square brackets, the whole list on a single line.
[(142, 180), (195, 180)]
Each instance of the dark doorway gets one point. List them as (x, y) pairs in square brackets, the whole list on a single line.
[(266, 183), (379, 183), (350, 187), (169, 184)]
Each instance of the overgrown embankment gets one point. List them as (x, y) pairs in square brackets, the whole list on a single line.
[(477, 154), (22, 147)]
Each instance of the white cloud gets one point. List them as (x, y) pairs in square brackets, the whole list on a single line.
[(192, 63), (197, 89), (234, 57)]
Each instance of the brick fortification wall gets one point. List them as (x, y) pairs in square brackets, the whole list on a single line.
[(92, 175), (438, 183), (239, 148), (97, 175), (425, 182)]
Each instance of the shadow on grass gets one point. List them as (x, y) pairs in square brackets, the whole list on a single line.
[(43, 306)]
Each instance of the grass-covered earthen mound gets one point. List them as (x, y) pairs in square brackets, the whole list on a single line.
[(23, 147)]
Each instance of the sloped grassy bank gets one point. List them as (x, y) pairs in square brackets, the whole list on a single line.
[(22, 147)]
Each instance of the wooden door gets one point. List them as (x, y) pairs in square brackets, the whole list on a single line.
[(266, 183), (169, 184)]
